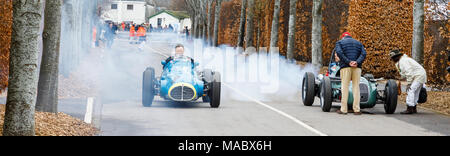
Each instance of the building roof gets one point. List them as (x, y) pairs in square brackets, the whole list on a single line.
[(177, 14)]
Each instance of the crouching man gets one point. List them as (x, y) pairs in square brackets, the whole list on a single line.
[(416, 76)]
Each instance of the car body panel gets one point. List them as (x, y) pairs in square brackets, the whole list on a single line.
[(367, 87), (180, 72), (371, 91)]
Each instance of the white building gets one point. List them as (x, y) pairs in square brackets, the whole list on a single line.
[(126, 11), (179, 20)]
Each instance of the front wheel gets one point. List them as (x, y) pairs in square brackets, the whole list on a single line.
[(391, 95), (148, 87), (214, 93)]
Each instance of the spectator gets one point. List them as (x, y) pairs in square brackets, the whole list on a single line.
[(186, 30), (352, 55), (109, 35), (170, 28)]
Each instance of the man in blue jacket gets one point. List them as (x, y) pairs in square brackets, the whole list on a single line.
[(352, 55)]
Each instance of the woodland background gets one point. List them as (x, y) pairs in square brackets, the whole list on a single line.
[(381, 25)]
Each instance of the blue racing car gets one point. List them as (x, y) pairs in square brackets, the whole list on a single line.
[(180, 82)]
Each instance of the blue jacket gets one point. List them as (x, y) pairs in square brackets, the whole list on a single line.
[(348, 50)]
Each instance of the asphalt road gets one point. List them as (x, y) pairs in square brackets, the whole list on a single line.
[(123, 113)]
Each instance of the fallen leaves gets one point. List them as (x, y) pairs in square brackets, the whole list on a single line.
[(50, 124), (437, 101)]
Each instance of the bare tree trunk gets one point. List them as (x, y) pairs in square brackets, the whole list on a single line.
[(195, 29), (203, 5), (191, 9), (317, 33), (275, 25), (47, 99), (249, 30), (258, 30), (291, 33), (208, 24), (240, 41), (216, 22), (418, 36), (203, 30), (23, 76), (192, 33)]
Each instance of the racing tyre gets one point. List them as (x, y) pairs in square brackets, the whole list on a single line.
[(148, 87), (325, 95), (214, 92), (391, 95), (308, 89)]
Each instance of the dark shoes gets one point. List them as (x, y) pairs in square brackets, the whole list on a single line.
[(340, 112), (410, 110)]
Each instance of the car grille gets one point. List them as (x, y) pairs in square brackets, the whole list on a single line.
[(182, 93), (364, 90)]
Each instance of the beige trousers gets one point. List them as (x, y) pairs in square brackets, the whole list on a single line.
[(354, 75)]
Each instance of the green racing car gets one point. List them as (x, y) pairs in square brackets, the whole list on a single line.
[(328, 89)]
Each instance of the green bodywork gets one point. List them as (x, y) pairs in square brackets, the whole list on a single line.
[(372, 99), (336, 85)]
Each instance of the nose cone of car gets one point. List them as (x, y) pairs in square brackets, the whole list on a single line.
[(182, 92)]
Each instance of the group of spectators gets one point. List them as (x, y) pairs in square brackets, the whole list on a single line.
[(352, 54), (104, 33)]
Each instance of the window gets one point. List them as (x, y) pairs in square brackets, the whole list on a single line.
[(129, 7), (113, 6)]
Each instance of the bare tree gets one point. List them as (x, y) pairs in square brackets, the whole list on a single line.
[(203, 15), (47, 99), (249, 30), (317, 33), (291, 33), (240, 41), (275, 25), (208, 23), (192, 13), (197, 9), (418, 34), (23, 76), (216, 22)]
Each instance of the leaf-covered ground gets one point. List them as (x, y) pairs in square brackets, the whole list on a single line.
[(50, 124), (437, 101)]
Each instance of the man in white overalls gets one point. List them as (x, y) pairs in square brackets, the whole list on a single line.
[(416, 76)]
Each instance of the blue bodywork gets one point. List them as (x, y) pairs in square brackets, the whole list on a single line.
[(180, 71)]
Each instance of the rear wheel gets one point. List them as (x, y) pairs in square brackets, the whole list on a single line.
[(325, 95), (214, 93), (308, 89), (391, 95), (148, 87)]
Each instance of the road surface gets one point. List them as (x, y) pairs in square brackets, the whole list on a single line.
[(124, 115)]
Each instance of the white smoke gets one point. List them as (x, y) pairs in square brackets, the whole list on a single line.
[(116, 73)]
